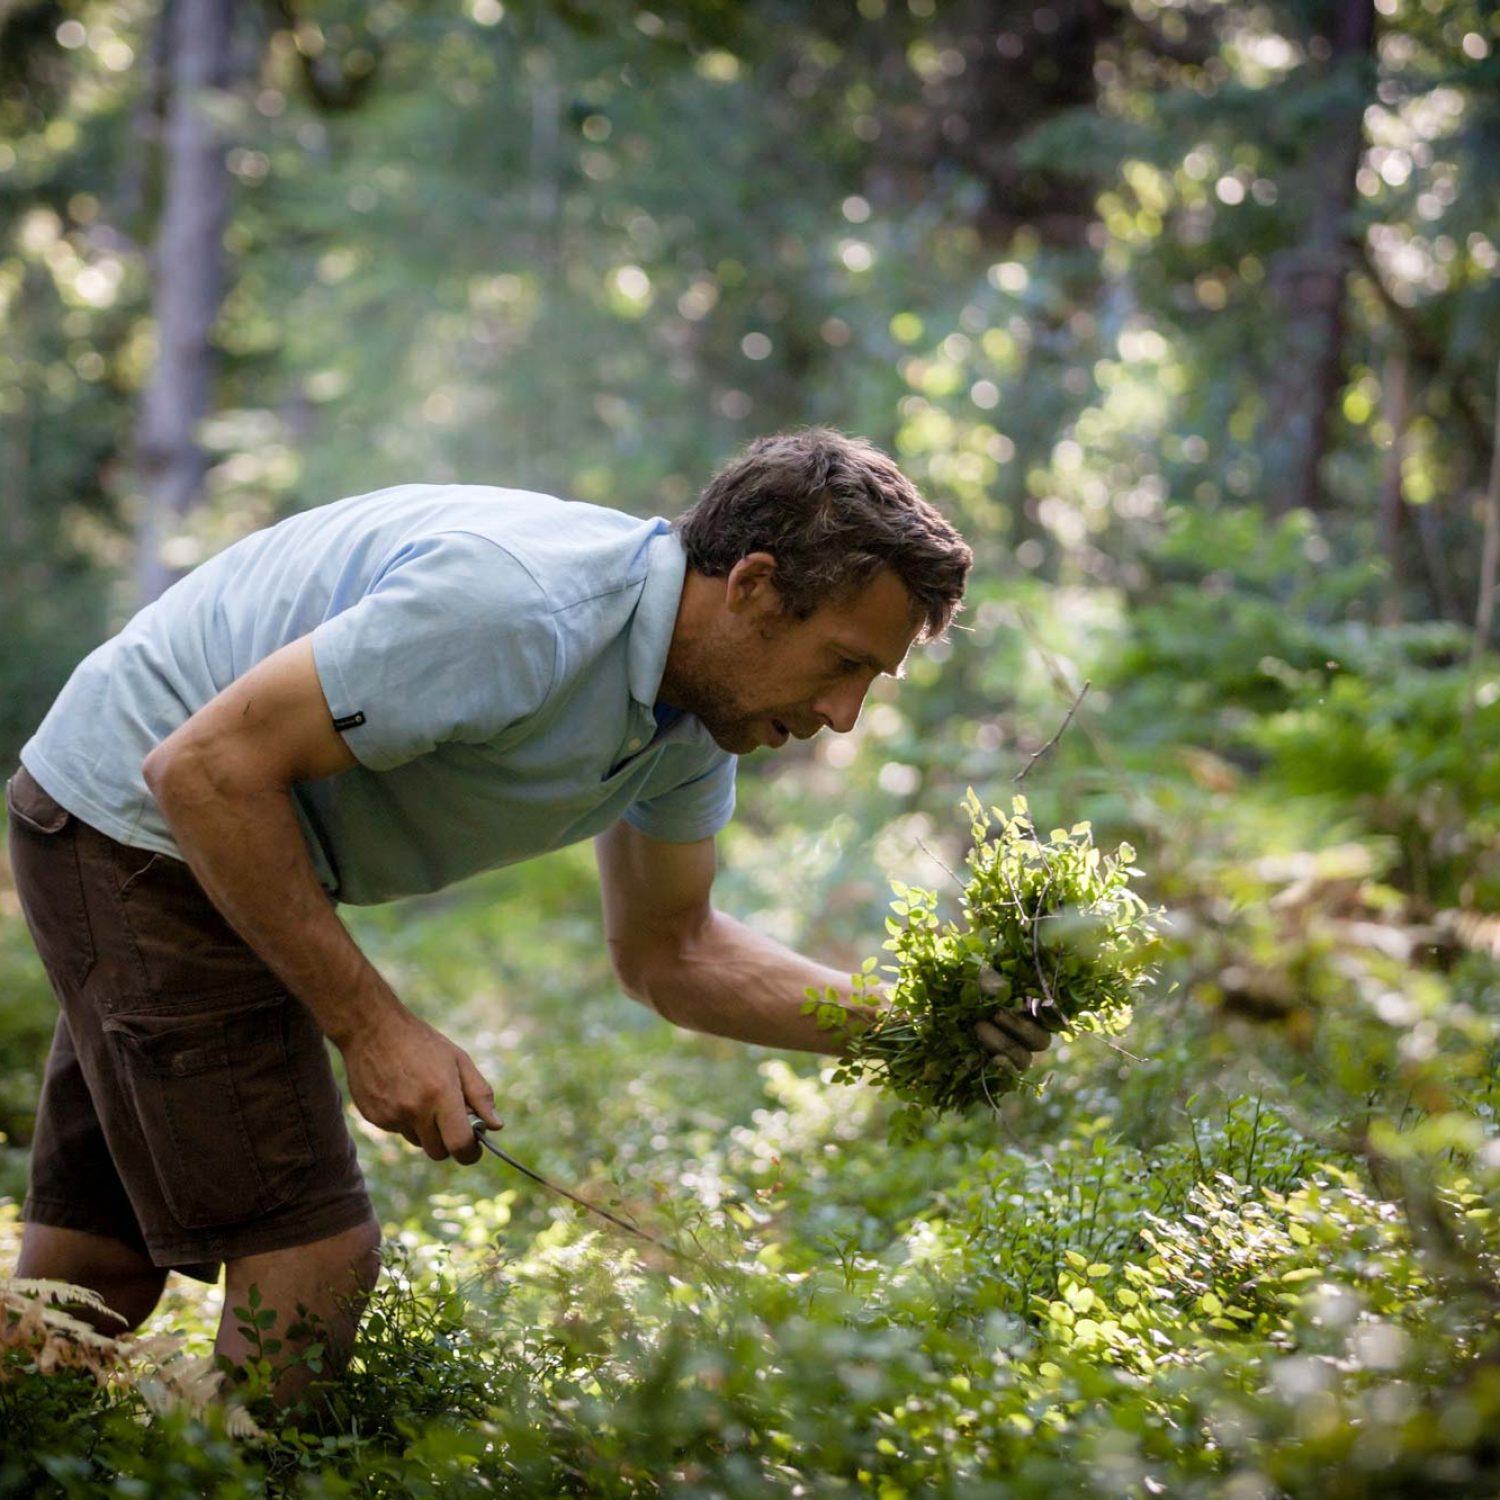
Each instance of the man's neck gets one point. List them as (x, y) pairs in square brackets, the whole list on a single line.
[(702, 598)]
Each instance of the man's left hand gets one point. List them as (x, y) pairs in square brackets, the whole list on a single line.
[(1014, 1038)]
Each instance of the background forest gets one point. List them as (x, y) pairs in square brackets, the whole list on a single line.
[(1186, 312)]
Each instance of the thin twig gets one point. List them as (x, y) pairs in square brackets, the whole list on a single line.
[(1036, 947), (1140, 805), (984, 1083), (939, 863), (1024, 1147), (1068, 719), (1113, 1045), (572, 1197), (1015, 895)]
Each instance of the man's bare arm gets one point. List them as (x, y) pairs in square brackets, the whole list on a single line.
[(691, 963), (701, 969), (223, 781)]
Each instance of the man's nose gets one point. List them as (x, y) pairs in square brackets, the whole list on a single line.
[(839, 707)]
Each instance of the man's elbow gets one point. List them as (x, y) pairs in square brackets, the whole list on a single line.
[(646, 975), (177, 773), (629, 972), (638, 976), (157, 770)]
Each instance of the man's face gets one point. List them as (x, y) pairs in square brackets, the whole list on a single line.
[(763, 676)]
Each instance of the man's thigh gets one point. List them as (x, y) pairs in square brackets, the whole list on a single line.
[(207, 1083)]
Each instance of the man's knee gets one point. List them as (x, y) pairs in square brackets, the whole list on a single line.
[(365, 1259), (126, 1281), (359, 1249), (315, 1294), (135, 1300), (131, 1295), (340, 1267)]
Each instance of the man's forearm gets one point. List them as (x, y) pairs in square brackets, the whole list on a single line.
[(731, 981), (248, 853)]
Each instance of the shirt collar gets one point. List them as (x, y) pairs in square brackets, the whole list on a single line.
[(655, 615)]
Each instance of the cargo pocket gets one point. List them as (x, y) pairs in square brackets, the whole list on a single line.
[(218, 1107), (49, 881)]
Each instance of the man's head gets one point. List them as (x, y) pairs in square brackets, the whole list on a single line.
[(833, 511), (814, 563)]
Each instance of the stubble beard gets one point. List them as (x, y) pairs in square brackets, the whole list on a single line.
[(709, 686)]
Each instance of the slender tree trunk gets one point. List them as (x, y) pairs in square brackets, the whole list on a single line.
[(1489, 566), (1392, 497), (15, 489), (16, 530), (1315, 294), (1435, 559), (145, 133), (543, 207), (189, 276), (546, 149)]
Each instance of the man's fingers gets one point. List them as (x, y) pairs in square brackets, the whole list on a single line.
[(479, 1096), (427, 1091), (1031, 1035), (430, 1138), (474, 1096), (458, 1135), (1004, 1066), (1002, 1044)]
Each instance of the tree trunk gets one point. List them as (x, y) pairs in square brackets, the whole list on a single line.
[(1016, 65), (1489, 566), (17, 531), (1435, 559), (124, 222), (1392, 497), (189, 276), (1313, 292)]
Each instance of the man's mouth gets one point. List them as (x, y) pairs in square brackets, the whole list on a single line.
[(779, 734)]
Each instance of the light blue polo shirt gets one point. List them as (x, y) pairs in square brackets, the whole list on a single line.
[(492, 658)]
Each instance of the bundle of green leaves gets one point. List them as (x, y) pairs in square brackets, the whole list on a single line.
[(1049, 929)]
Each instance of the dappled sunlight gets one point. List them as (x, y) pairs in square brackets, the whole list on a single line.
[(1183, 312)]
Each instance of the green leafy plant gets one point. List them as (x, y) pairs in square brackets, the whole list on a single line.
[(1050, 929)]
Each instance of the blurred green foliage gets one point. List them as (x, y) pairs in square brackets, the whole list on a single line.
[(1052, 256)]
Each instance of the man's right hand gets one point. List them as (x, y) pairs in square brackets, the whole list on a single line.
[(406, 1076)]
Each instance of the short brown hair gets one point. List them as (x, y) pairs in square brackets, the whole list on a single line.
[(833, 511)]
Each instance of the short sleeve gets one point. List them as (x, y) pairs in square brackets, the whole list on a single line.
[(453, 640), (695, 809)]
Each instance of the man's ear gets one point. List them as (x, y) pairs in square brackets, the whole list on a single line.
[(750, 586)]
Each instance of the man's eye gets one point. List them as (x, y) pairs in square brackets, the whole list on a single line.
[(847, 666)]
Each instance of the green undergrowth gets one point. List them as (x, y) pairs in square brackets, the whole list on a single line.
[(1245, 1248), (1143, 1282)]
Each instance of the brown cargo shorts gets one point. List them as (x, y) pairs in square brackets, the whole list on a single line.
[(188, 1107)]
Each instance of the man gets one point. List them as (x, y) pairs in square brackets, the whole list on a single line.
[(377, 698)]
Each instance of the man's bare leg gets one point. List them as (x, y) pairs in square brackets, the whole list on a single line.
[(330, 1278), (124, 1277)]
